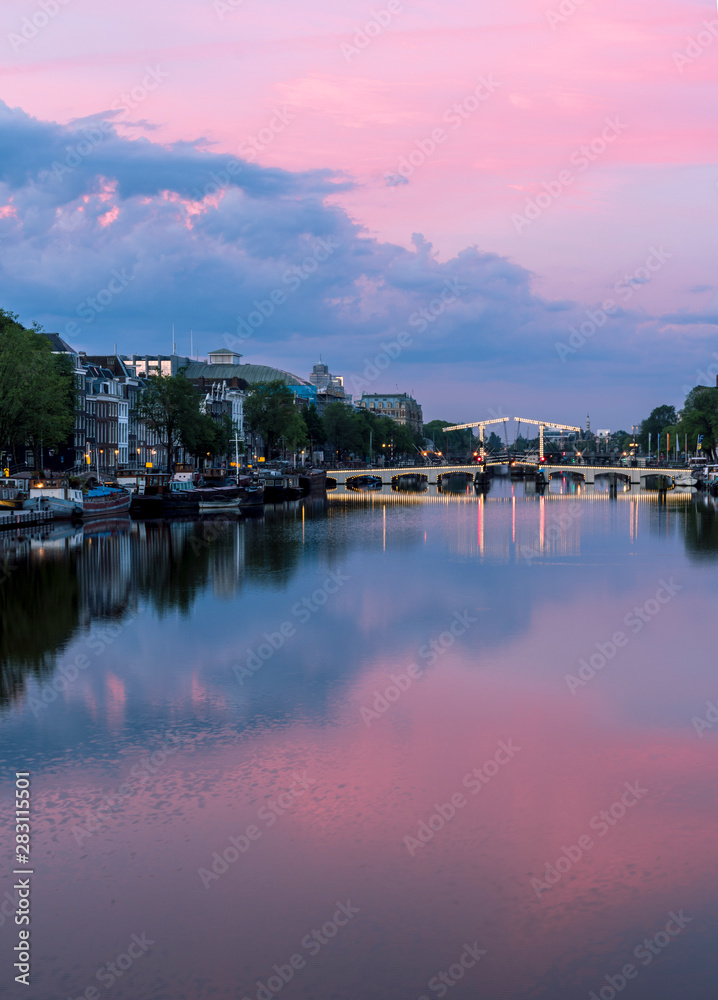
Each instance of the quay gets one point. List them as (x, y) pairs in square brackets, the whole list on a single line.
[(17, 518)]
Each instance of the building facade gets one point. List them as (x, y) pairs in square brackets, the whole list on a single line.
[(398, 406), (330, 388)]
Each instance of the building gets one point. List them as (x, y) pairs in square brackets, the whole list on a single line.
[(137, 444), (330, 388), (222, 365), (399, 406)]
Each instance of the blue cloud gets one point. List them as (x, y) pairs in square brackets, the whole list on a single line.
[(262, 258)]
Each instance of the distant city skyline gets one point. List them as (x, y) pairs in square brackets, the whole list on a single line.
[(524, 193)]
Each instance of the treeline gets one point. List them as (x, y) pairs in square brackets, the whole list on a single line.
[(171, 407), (37, 390), (270, 410), (697, 419)]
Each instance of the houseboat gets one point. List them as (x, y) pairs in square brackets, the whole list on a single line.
[(65, 502), (12, 495)]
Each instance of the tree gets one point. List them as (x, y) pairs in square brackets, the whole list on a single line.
[(454, 441), (700, 416), (295, 433), (660, 418), (494, 442), (344, 429), (315, 427), (268, 410), (169, 405), (37, 389)]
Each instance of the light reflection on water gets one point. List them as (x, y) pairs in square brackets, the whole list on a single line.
[(311, 667)]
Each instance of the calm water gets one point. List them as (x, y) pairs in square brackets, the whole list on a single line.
[(234, 728)]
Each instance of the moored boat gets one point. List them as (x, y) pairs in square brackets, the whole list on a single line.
[(105, 501), (364, 482), (220, 504), (12, 495), (64, 501)]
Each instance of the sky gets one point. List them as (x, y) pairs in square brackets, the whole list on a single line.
[(503, 209)]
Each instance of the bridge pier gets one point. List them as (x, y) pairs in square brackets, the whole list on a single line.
[(589, 477)]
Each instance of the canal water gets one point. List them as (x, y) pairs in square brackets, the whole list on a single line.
[(393, 746)]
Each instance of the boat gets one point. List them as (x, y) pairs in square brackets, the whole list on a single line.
[(105, 501), (252, 501), (364, 482), (314, 483), (12, 495), (65, 502), (206, 506), (685, 479), (280, 487)]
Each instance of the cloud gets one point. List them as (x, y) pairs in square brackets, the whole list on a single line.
[(208, 242)]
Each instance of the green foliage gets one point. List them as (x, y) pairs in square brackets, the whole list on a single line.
[(454, 441), (37, 389), (493, 442), (660, 418), (345, 429), (295, 433), (269, 410), (700, 416), (315, 425), (170, 407)]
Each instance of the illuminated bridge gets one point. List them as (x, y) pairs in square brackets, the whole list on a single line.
[(589, 473)]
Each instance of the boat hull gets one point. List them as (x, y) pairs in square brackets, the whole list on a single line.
[(62, 508), (106, 506)]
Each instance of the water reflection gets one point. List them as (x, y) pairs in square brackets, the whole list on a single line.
[(272, 648), (57, 582)]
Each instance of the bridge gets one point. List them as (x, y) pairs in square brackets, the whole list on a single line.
[(589, 473), (541, 424)]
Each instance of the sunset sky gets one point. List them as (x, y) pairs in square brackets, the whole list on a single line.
[(532, 161)]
